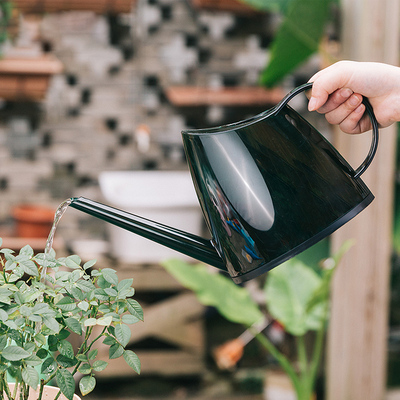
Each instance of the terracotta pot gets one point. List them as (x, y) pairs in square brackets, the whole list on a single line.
[(49, 393), (33, 221)]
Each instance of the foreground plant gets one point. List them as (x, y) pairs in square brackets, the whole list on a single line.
[(296, 296), (41, 303)]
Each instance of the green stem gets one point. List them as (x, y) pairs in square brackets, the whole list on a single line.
[(283, 361)]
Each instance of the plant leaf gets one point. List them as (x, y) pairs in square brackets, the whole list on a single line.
[(132, 360), (213, 289), (297, 38), (110, 275), (289, 290), (115, 351), (14, 353), (65, 348), (99, 365), (65, 381), (87, 384), (74, 325), (123, 334), (135, 308), (30, 376)]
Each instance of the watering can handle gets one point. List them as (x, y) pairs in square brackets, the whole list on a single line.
[(375, 127)]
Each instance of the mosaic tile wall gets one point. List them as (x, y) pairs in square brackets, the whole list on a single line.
[(116, 69)]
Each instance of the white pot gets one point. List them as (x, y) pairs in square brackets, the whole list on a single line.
[(167, 197), (49, 393)]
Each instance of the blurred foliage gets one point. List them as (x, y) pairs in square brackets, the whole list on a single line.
[(5, 17), (298, 37)]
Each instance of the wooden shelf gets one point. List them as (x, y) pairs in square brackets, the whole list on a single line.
[(191, 96), (235, 6), (51, 6), (27, 78)]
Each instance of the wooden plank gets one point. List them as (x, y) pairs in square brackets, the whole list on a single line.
[(234, 6), (356, 366), (192, 96), (160, 362)]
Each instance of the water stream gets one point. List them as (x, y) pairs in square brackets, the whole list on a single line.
[(49, 244)]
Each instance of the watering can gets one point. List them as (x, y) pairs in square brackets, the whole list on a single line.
[(269, 187)]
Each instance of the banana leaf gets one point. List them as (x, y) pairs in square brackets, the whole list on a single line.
[(297, 38)]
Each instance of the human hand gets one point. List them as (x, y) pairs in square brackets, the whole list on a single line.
[(338, 89)]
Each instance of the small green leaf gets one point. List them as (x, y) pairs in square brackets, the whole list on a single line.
[(87, 384), (66, 362), (132, 360), (123, 334), (125, 284), (51, 323), (134, 308), (85, 369), (65, 381), (14, 353), (90, 322), (66, 304), (65, 348), (115, 351), (110, 275), (129, 319), (104, 321), (74, 325), (89, 264), (73, 262), (49, 366), (99, 365), (93, 354), (83, 305), (29, 267), (30, 376)]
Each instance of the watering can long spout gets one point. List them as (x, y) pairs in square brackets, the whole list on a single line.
[(186, 243)]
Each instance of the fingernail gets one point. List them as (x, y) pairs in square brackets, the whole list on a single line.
[(355, 100), (346, 92), (312, 104)]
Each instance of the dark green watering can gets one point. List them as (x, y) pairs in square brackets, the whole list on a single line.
[(269, 187)]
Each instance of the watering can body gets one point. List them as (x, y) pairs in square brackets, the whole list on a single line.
[(269, 187)]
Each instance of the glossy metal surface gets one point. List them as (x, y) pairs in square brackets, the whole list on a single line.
[(270, 187)]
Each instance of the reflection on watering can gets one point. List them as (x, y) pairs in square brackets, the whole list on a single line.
[(269, 187)]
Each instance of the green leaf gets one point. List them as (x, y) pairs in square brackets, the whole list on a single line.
[(125, 284), (51, 323), (90, 322), (104, 321), (85, 369), (89, 264), (3, 342), (115, 351), (74, 325), (288, 290), (99, 365), (87, 384), (66, 362), (132, 360), (93, 354), (110, 275), (65, 381), (49, 366), (123, 334), (66, 304), (73, 262), (83, 305), (297, 38), (14, 353), (85, 286), (29, 267), (65, 348), (134, 308), (33, 360), (213, 289), (30, 376), (129, 319)]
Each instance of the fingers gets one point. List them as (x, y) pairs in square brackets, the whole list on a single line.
[(345, 108)]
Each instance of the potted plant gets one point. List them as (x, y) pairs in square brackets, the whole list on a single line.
[(43, 300), (296, 296)]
